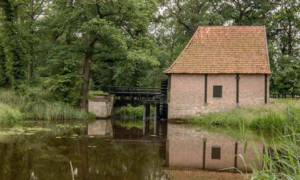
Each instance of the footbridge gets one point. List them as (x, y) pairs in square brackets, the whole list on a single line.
[(146, 96)]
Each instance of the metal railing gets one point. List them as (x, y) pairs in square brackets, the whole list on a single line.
[(284, 95), (126, 89)]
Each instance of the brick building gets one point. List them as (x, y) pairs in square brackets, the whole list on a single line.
[(220, 68)]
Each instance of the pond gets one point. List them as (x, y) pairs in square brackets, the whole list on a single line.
[(106, 149)]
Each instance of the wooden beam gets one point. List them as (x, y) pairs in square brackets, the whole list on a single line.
[(205, 88), (204, 152), (266, 88), (237, 87)]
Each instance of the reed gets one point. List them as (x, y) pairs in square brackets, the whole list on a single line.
[(282, 155), (38, 106)]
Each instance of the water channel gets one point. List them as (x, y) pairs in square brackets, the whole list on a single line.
[(107, 149)]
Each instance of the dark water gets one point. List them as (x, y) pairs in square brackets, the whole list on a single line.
[(106, 150)]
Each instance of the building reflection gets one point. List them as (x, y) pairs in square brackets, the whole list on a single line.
[(188, 147), (184, 146), (100, 128)]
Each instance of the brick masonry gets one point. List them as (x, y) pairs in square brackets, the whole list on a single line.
[(186, 149), (187, 93)]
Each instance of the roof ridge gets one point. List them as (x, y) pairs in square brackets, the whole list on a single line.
[(232, 26), (188, 44)]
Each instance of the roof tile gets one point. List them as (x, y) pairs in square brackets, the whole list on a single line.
[(224, 50)]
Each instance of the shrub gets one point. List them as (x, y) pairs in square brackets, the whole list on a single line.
[(9, 115), (136, 112)]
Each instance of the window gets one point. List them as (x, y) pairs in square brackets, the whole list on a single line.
[(215, 153), (217, 91)]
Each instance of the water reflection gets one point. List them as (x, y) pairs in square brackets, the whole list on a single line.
[(100, 128), (47, 155), (105, 150), (189, 147)]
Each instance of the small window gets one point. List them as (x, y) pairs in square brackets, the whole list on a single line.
[(215, 153), (217, 91)]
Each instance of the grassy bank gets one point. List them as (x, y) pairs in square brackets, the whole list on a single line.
[(273, 116), (34, 105)]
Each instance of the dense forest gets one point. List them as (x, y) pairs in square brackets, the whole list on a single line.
[(67, 47)]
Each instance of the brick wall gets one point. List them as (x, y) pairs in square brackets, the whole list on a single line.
[(187, 93)]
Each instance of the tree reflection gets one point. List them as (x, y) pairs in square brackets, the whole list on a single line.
[(47, 155)]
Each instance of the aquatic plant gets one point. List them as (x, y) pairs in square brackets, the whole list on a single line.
[(9, 115)]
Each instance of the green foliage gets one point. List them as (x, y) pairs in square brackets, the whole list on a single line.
[(136, 112), (281, 158), (129, 124), (266, 118), (14, 48), (3, 75), (133, 112), (39, 105), (130, 42), (9, 115)]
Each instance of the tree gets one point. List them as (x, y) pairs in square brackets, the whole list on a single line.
[(14, 47)]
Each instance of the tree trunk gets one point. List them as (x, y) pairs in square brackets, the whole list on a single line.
[(290, 39), (240, 19), (87, 74), (31, 57)]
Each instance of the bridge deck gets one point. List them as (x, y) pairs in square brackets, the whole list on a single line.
[(134, 91)]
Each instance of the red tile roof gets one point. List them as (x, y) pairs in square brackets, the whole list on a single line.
[(224, 50)]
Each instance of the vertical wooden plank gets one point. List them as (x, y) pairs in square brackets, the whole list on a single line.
[(169, 88), (235, 154), (266, 88), (167, 153), (205, 88), (144, 119), (237, 87), (204, 152), (155, 117)]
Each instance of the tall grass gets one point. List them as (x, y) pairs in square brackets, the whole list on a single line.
[(271, 117), (282, 158), (9, 115), (38, 106)]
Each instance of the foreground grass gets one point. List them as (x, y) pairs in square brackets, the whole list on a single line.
[(201, 174), (271, 117), (282, 156), (16, 107)]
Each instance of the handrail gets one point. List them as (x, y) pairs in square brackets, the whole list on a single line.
[(132, 89)]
